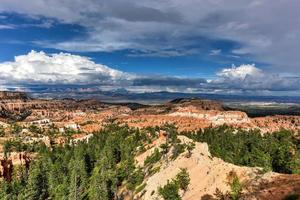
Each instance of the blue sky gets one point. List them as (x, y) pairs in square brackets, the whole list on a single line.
[(171, 39), (26, 32)]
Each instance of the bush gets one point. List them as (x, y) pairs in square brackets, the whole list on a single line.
[(153, 158), (154, 170), (183, 179), (34, 129), (15, 129), (170, 191), (236, 188), (177, 150), (135, 179), (190, 147)]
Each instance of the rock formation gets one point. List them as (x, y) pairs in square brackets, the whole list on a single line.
[(200, 104), (210, 174), (7, 95)]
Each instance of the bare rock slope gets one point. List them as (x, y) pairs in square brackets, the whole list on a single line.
[(209, 174)]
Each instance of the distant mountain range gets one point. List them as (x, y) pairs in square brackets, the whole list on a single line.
[(157, 97), (254, 106)]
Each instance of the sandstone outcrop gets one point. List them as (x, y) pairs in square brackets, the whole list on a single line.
[(209, 174)]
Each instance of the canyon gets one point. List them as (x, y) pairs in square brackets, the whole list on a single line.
[(37, 119), (91, 115)]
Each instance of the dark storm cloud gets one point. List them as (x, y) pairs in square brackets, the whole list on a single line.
[(168, 81)]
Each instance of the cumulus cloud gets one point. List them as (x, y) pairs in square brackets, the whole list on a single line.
[(249, 77), (67, 72), (63, 68), (240, 72)]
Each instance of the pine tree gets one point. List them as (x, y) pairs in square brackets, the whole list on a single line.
[(183, 179), (170, 191), (78, 179), (98, 185), (37, 186)]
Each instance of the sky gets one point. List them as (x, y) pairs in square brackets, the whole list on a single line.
[(246, 47)]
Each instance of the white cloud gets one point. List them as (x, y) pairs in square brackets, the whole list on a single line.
[(249, 77), (65, 72), (63, 68), (241, 72)]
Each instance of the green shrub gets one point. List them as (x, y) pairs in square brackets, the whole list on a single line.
[(183, 179), (15, 129), (170, 191), (35, 129), (154, 170), (135, 179), (236, 188), (153, 158), (177, 150)]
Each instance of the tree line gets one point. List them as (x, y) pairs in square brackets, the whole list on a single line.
[(278, 151)]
